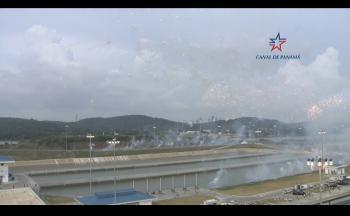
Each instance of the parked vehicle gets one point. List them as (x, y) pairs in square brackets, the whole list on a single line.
[(331, 184), (342, 182), (298, 192), (210, 202), (233, 202)]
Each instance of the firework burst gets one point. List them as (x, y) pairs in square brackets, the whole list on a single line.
[(316, 109)]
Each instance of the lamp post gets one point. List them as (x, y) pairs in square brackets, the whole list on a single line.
[(321, 163), (200, 129), (90, 136), (322, 133), (300, 131), (66, 137), (258, 132), (114, 142), (154, 135), (275, 129)]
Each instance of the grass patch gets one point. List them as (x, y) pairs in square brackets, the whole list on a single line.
[(191, 200), (347, 170), (56, 200), (269, 185), (267, 202)]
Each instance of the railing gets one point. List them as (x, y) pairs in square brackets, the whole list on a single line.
[(334, 198)]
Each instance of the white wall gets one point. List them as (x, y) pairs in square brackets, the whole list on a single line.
[(4, 172), (146, 202), (332, 170)]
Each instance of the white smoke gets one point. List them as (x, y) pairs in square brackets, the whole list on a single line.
[(219, 179), (264, 172)]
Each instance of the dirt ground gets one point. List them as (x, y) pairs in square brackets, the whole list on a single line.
[(191, 200)]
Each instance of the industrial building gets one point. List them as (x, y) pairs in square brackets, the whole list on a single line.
[(4, 168), (119, 197), (9, 142), (335, 169)]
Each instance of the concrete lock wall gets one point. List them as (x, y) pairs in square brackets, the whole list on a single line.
[(79, 161)]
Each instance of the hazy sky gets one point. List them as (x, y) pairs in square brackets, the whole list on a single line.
[(180, 64)]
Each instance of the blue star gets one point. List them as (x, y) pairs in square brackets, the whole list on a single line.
[(277, 42)]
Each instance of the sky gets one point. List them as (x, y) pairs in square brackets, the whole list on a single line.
[(179, 64)]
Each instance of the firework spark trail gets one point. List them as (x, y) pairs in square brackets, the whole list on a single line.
[(221, 94), (316, 109), (313, 112)]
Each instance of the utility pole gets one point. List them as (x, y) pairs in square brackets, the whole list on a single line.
[(200, 130), (90, 136), (322, 133), (115, 142), (321, 163), (66, 137), (154, 135)]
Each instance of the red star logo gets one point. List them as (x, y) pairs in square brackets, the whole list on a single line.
[(277, 42)]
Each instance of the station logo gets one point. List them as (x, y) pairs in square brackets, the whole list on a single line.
[(276, 47), (277, 42)]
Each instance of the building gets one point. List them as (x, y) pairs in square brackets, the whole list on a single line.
[(119, 197), (9, 142), (20, 196), (4, 168), (335, 169)]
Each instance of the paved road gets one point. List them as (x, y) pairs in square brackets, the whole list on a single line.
[(342, 197), (21, 180)]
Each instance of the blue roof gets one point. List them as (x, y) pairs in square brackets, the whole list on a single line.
[(107, 198), (6, 159)]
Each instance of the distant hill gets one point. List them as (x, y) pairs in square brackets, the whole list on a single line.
[(127, 123), (248, 126), (17, 128)]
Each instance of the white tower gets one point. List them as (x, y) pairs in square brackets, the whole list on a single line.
[(4, 168)]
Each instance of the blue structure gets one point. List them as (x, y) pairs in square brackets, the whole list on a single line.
[(119, 197), (6, 159)]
